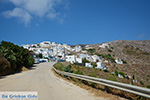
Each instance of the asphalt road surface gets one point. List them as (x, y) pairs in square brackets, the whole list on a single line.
[(48, 86)]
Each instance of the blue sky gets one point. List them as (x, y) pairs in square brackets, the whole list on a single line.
[(74, 21)]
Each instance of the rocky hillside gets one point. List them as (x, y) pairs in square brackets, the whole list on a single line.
[(134, 54)]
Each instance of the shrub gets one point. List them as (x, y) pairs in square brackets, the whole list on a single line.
[(91, 50), (122, 73), (141, 83), (123, 61), (148, 86), (116, 72), (5, 67), (40, 55), (17, 56), (108, 57), (112, 47), (133, 77), (109, 50), (67, 69), (84, 60), (84, 49), (106, 70), (93, 85)]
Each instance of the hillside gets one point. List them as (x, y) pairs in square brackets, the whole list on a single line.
[(133, 52), (136, 54)]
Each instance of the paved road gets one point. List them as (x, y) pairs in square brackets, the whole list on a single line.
[(48, 86)]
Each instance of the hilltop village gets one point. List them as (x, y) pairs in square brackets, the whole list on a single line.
[(50, 51)]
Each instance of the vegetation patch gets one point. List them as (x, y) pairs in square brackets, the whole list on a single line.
[(13, 58)]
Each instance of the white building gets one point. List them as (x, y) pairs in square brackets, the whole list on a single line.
[(95, 58), (77, 48), (101, 65), (104, 45), (88, 65), (83, 51), (79, 60), (119, 61), (26, 46), (45, 44), (71, 58)]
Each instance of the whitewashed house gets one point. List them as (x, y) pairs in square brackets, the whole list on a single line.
[(79, 60), (83, 51), (119, 61), (88, 47), (26, 46), (87, 57), (88, 65), (71, 58), (53, 43), (77, 48), (104, 45), (101, 65), (95, 58), (45, 44)]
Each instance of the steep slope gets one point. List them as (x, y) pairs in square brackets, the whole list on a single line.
[(135, 53)]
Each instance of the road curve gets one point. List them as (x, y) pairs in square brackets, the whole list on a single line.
[(48, 86)]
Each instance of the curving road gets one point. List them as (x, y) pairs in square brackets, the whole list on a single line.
[(48, 86)]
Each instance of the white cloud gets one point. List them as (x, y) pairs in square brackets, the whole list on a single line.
[(27, 9), (18, 12)]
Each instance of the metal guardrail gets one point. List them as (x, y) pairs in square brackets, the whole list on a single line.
[(117, 85)]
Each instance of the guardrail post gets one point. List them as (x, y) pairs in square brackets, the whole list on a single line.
[(106, 89), (60, 74), (70, 78)]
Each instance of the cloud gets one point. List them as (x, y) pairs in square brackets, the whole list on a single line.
[(28, 9), (18, 12)]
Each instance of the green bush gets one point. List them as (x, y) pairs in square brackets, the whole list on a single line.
[(40, 55), (5, 67), (85, 61), (91, 50), (123, 61), (122, 73), (84, 49), (17, 56), (141, 83), (112, 47), (148, 86), (109, 50), (116, 72), (108, 57), (106, 70), (67, 69), (98, 54)]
